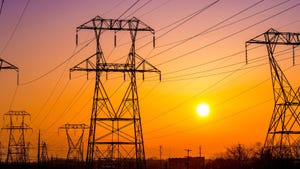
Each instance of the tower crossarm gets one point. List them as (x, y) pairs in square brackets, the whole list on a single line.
[(74, 126), (116, 67), (6, 65), (99, 23), (23, 127), (17, 113), (274, 37), (142, 66)]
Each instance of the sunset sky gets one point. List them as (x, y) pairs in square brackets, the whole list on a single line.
[(201, 58)]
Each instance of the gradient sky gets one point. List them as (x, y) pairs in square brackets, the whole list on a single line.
[(208, 68)]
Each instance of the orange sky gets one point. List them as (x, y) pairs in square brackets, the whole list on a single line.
[(241, 101)]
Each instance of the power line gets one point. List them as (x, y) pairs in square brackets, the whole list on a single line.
[(52, 91), (215, 121), (228, 99), (56, 67), (228, 24), (223, 118), (80, 92), (114, 7), (60, 94), (15, 28), (143, 5), (13, 98), (208, 29), (184, 20), (235, 96), (217, 60), (228, 36), (80, 111), (2, 2), (198, 93), (155, 8), (221, 67), (70, 58), (177, 23), (128, 9), (201, 92)]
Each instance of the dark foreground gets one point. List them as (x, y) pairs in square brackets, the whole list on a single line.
[(165, 164)]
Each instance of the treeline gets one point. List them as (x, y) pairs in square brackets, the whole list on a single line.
[(241, 157)]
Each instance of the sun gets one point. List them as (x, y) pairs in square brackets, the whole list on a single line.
[(203, 109)]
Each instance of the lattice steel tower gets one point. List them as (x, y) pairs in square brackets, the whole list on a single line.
[(17, 151), (44, 153), (284, 127), (75, 142), (116, 134)]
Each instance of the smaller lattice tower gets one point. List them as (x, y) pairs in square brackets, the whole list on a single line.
[(75, 141), (1, 152), (17, 150), (44, 153)]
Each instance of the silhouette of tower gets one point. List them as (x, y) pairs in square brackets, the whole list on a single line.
[(1, 152), (117, 134), (44, 153), (17, 150), (284, 126), (75, 143)]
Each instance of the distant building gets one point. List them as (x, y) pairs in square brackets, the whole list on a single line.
[(186, 163)]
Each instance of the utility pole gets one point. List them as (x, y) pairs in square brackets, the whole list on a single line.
[(160, 154), (116, 133), (75, 142), (16, 152), (200, 151), (284, 126), (39, 147), (188, 158)]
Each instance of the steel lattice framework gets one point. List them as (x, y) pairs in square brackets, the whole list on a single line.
[(17, 151), (75, 142), (284, 128), (44, 153), (116, 135)]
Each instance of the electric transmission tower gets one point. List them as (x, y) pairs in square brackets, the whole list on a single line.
[(17, 150), (117, 134), (284, 127), (1, 152), (44, 153), (75, 142)]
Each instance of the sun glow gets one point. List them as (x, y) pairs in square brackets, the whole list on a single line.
[(203, 110)]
